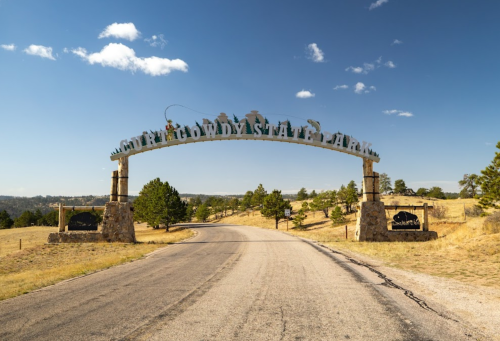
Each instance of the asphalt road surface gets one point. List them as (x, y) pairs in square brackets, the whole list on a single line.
[(230, 283)]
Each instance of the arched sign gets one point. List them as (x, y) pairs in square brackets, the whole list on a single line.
[(253, 127)]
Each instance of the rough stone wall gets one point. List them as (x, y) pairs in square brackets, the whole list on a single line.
[(117, 226), (76, 237), (371, 224), (412, 236), (118, 222)]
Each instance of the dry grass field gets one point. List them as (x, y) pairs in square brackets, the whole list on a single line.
[(38, 264), (464, 250)]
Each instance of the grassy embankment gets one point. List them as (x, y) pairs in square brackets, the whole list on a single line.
[(464, 250), (38, 264)]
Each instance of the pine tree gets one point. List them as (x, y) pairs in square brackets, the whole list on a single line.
[(302, 134), (384, 183), (219, 127), (490, 182), (5, 221), (299, 219), (249, 130), (159, 203), (302, 194), (274, 206), (289, 130), (202, 132), (186, 129), (236, 120), (265, 131), (258, 196)]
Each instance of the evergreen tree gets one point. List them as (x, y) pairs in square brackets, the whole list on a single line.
[(274, 206), (246, 202), (302, 133), (195, 201), (159, 203), (219, 127), (202, 132), (302, 194), (313, 194), (422, 192), (469, 185), (323, 201), (265, 131), (384, 183), (235, 119), (248, 128), (186, 129), (399, 186), (51, 218), (436, 192), (234, 203), (258, 196), (299, 219), (25, 219), (202, 213), (289, 131), (5, 221), (337, 216)]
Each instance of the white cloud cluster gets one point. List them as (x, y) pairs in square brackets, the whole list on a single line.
[(122, 57), (9, 47), (377, 3), (304, 94), (315, 53), (121, 31), (361, 88), (156, 41), (396, 42), (343, 87), (368, 67), (39, 50), (398, 112)]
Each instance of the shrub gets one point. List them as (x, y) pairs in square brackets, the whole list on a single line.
[(438, 212), (337, 216), (299, 219), (474, 211), (492, 223)]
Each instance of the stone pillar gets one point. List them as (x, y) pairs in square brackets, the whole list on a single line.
[(114, 186), (62, 223), (371, 224), (118, 223), (123, 179)]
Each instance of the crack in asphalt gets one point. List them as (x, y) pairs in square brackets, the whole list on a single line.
[(283, 322), (387, 281)]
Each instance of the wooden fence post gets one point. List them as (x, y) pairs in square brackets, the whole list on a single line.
[(62, 223), (426, 218), (114, 186)]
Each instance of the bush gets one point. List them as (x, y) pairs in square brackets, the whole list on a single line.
[(492, 223), (474, 211), (438, 212), (337, 216)]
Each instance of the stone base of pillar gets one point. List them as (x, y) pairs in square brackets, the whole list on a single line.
[(118, 222), (372, 223)]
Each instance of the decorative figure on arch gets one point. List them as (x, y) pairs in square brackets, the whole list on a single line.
[(170, 130)]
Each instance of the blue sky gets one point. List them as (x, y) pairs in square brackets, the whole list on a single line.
[(417, 79)]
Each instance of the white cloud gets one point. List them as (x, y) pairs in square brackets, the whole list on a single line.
[(65, 50), (390, 65), (122, 57), (377, 3), (398, 112), (396, 42), (341, 87), (39, 50), (156, 41), (9, 47), (359, 88), (123, 31), (357, 69), (315, 53), (304, 94), (405, 114)]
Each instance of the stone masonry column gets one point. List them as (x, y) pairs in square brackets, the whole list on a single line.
[(371, 224), (114, 186)]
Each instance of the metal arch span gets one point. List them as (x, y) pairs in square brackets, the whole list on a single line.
[(252, 127)]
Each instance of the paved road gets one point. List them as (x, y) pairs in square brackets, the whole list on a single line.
[(229, 283)]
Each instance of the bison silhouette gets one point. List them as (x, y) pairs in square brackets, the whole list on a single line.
[(406, 220)]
